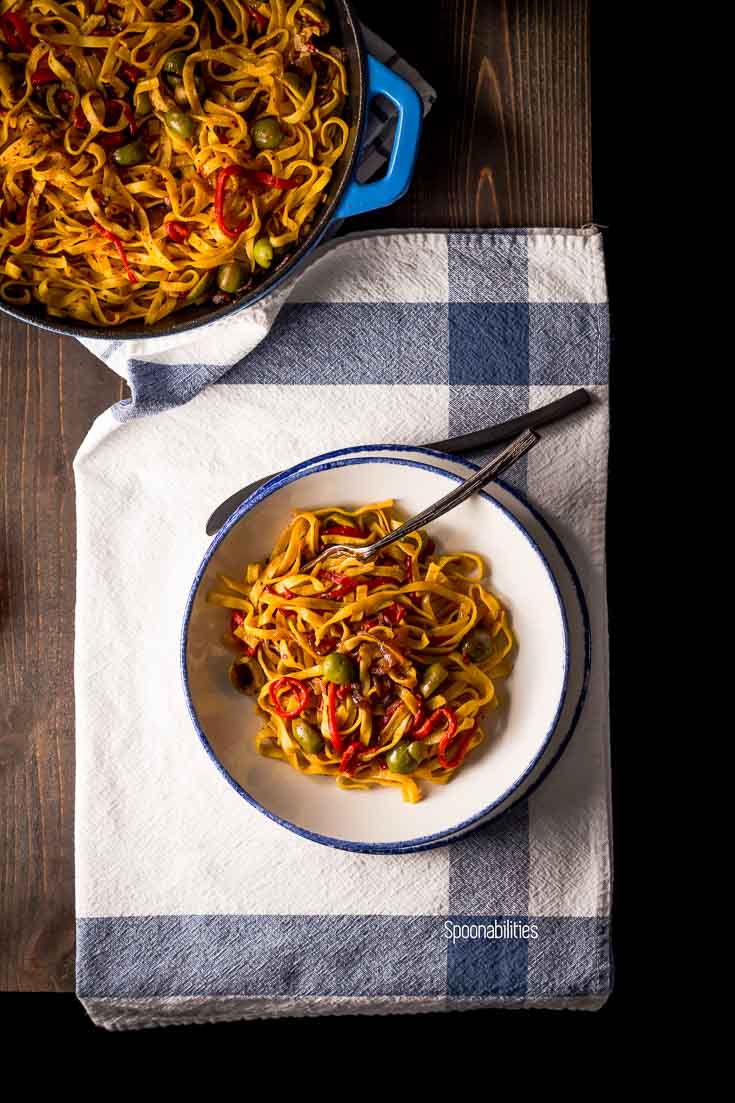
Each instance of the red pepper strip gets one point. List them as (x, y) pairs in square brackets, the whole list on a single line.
[(43, 75), (269, 181), (462, 745), (111, 141), (343, 692), (428, 726), (130, 72), (17, 32), (394, 614), (260, 20), (298, 688), (418, 719), (344, 530), (121, 251), (350, 759), (285, 592), (177, 231), (345, 585), (332, 719), (219, 202), (128, 113), (9, 34), (80, 119)]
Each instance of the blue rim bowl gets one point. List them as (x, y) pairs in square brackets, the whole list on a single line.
[(326, 462)]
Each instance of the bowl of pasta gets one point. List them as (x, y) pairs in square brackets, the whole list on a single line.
[(384, 705), (166, 164)]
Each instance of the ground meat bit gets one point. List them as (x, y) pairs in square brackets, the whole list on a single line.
[(324, 647)]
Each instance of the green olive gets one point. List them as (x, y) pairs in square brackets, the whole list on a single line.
[(263, 252), (175, 62), (179, 90), (399, 759), (267, 133), (418, 750), (134, 153), (478, 646), (143, 105), (230, 277), (180, 124), (180, 94), (434, 675), (307, 737), (199, 289), (339, 668), (245, 676), (297, 83)]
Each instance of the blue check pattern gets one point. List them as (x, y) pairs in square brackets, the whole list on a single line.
[(488, 342)]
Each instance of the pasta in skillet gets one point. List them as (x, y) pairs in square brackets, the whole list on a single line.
[(160, 153), (374, 673)]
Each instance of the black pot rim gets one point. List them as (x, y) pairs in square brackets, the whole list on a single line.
[(112, 334)]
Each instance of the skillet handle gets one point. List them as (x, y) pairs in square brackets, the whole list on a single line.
[(360, 198)]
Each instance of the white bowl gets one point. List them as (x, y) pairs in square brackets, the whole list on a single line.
[(567, 579), (519, 733)]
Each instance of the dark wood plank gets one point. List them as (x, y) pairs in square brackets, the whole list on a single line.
[(50, 391), (507, 144), (508, 141)]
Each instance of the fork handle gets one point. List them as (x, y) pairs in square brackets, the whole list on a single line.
[(532, 419), (492, 470)]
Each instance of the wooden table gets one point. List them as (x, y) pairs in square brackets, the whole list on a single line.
[(507, 144)]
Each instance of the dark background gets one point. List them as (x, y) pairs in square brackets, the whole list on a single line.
[(525, 132)]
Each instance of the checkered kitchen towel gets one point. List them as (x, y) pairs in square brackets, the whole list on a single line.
[(191, 904)]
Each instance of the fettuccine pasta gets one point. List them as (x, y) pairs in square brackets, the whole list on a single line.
[(373, 673), (160, 153)]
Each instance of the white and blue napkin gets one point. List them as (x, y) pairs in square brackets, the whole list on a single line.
[(191, 905)]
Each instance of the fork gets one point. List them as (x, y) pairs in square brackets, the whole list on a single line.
[(517, 448)]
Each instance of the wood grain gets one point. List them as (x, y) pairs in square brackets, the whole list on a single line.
[(508, 141), (507, 144)]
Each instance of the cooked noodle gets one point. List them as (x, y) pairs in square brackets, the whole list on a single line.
[(374, 673), (157, 154)]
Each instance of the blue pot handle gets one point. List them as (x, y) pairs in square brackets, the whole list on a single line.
[(360, 198)]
